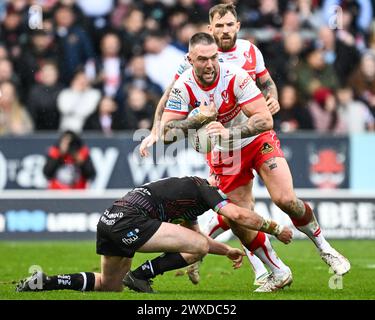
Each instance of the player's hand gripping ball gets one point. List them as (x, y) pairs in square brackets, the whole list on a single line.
[(199, 139)]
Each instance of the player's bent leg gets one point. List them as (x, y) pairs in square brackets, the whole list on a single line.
[(39, 281), (113, 271), (175, 238), (182, 246), (278, 180)]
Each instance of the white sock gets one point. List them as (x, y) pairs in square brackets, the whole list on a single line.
[(265, 252), (215, 226), (312, 230), (257, 265)]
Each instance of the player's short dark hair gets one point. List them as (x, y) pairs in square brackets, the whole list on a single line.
[(222, 9), (201, 38)]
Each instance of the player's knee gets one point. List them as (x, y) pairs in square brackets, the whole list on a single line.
[(111, 286), (284, 200), (202, 247)]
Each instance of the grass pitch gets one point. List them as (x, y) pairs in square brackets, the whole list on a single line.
[(312, 279)]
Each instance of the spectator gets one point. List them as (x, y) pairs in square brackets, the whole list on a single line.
[(74, 46), (14, 119), (135, 76), (40, 49), (77, 103), (106, 118), (110, 65), (339, 51), (42, 100), (361, 12), (314, 73), (292, 115), (283, 58), (68, 164), (355, 114), (323, 109), (155, 14), (161, 53), (7, 72), (138, 110), (183, 34), (13, 32), (132, 33), (97, 14), (362, 80)]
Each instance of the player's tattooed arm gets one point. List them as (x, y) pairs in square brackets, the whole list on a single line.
[(256, 124), (178, 129), (268, 87)]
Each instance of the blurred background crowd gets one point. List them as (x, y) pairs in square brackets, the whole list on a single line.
[(103, 65)]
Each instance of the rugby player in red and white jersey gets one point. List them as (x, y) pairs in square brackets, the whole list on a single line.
[(226, 93)]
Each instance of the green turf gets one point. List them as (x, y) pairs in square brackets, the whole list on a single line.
[(218, 280)]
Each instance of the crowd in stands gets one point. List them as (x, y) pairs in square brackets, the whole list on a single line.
[(102, 65)]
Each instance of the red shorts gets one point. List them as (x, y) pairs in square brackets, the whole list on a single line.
[(235, 168)]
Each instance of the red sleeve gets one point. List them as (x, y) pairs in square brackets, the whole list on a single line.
[(54, 152), (260, 74)]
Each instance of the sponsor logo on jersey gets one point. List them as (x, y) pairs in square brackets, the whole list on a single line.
[(174, 104), (175, 99), (225, 96), (221, 60), (131, 237), (248, 56), (245, 82), (266, 148), (224, 118)]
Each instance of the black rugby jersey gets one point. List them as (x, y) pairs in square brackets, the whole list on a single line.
[(174, 199)]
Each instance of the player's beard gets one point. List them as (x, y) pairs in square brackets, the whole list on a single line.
[(226, 45), (204, 80)]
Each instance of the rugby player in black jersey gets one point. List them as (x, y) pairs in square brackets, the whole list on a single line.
[(144, 220)]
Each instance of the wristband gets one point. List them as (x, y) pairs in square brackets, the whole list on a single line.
[(271, 227)]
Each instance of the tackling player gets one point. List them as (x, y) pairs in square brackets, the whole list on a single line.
[(141, 222)]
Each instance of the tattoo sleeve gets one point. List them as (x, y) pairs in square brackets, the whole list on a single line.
[(268, 87), (177, 129), (271, 227), (254, 125)]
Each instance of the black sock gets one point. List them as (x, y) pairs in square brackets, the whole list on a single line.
[(159, 265), (84, 281)]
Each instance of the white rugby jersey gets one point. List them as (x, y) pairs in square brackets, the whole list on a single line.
[(233, 89), (244, 54)]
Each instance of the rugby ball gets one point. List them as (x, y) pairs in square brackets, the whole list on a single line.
[(199, 139)]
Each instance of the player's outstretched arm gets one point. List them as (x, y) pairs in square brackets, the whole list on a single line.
[(253, 221), (220, 248)]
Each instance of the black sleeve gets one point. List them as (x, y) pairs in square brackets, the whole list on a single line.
[(214, 198), (88, 169), (51, 167)]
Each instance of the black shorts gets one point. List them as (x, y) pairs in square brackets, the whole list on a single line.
[(121, 231)]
